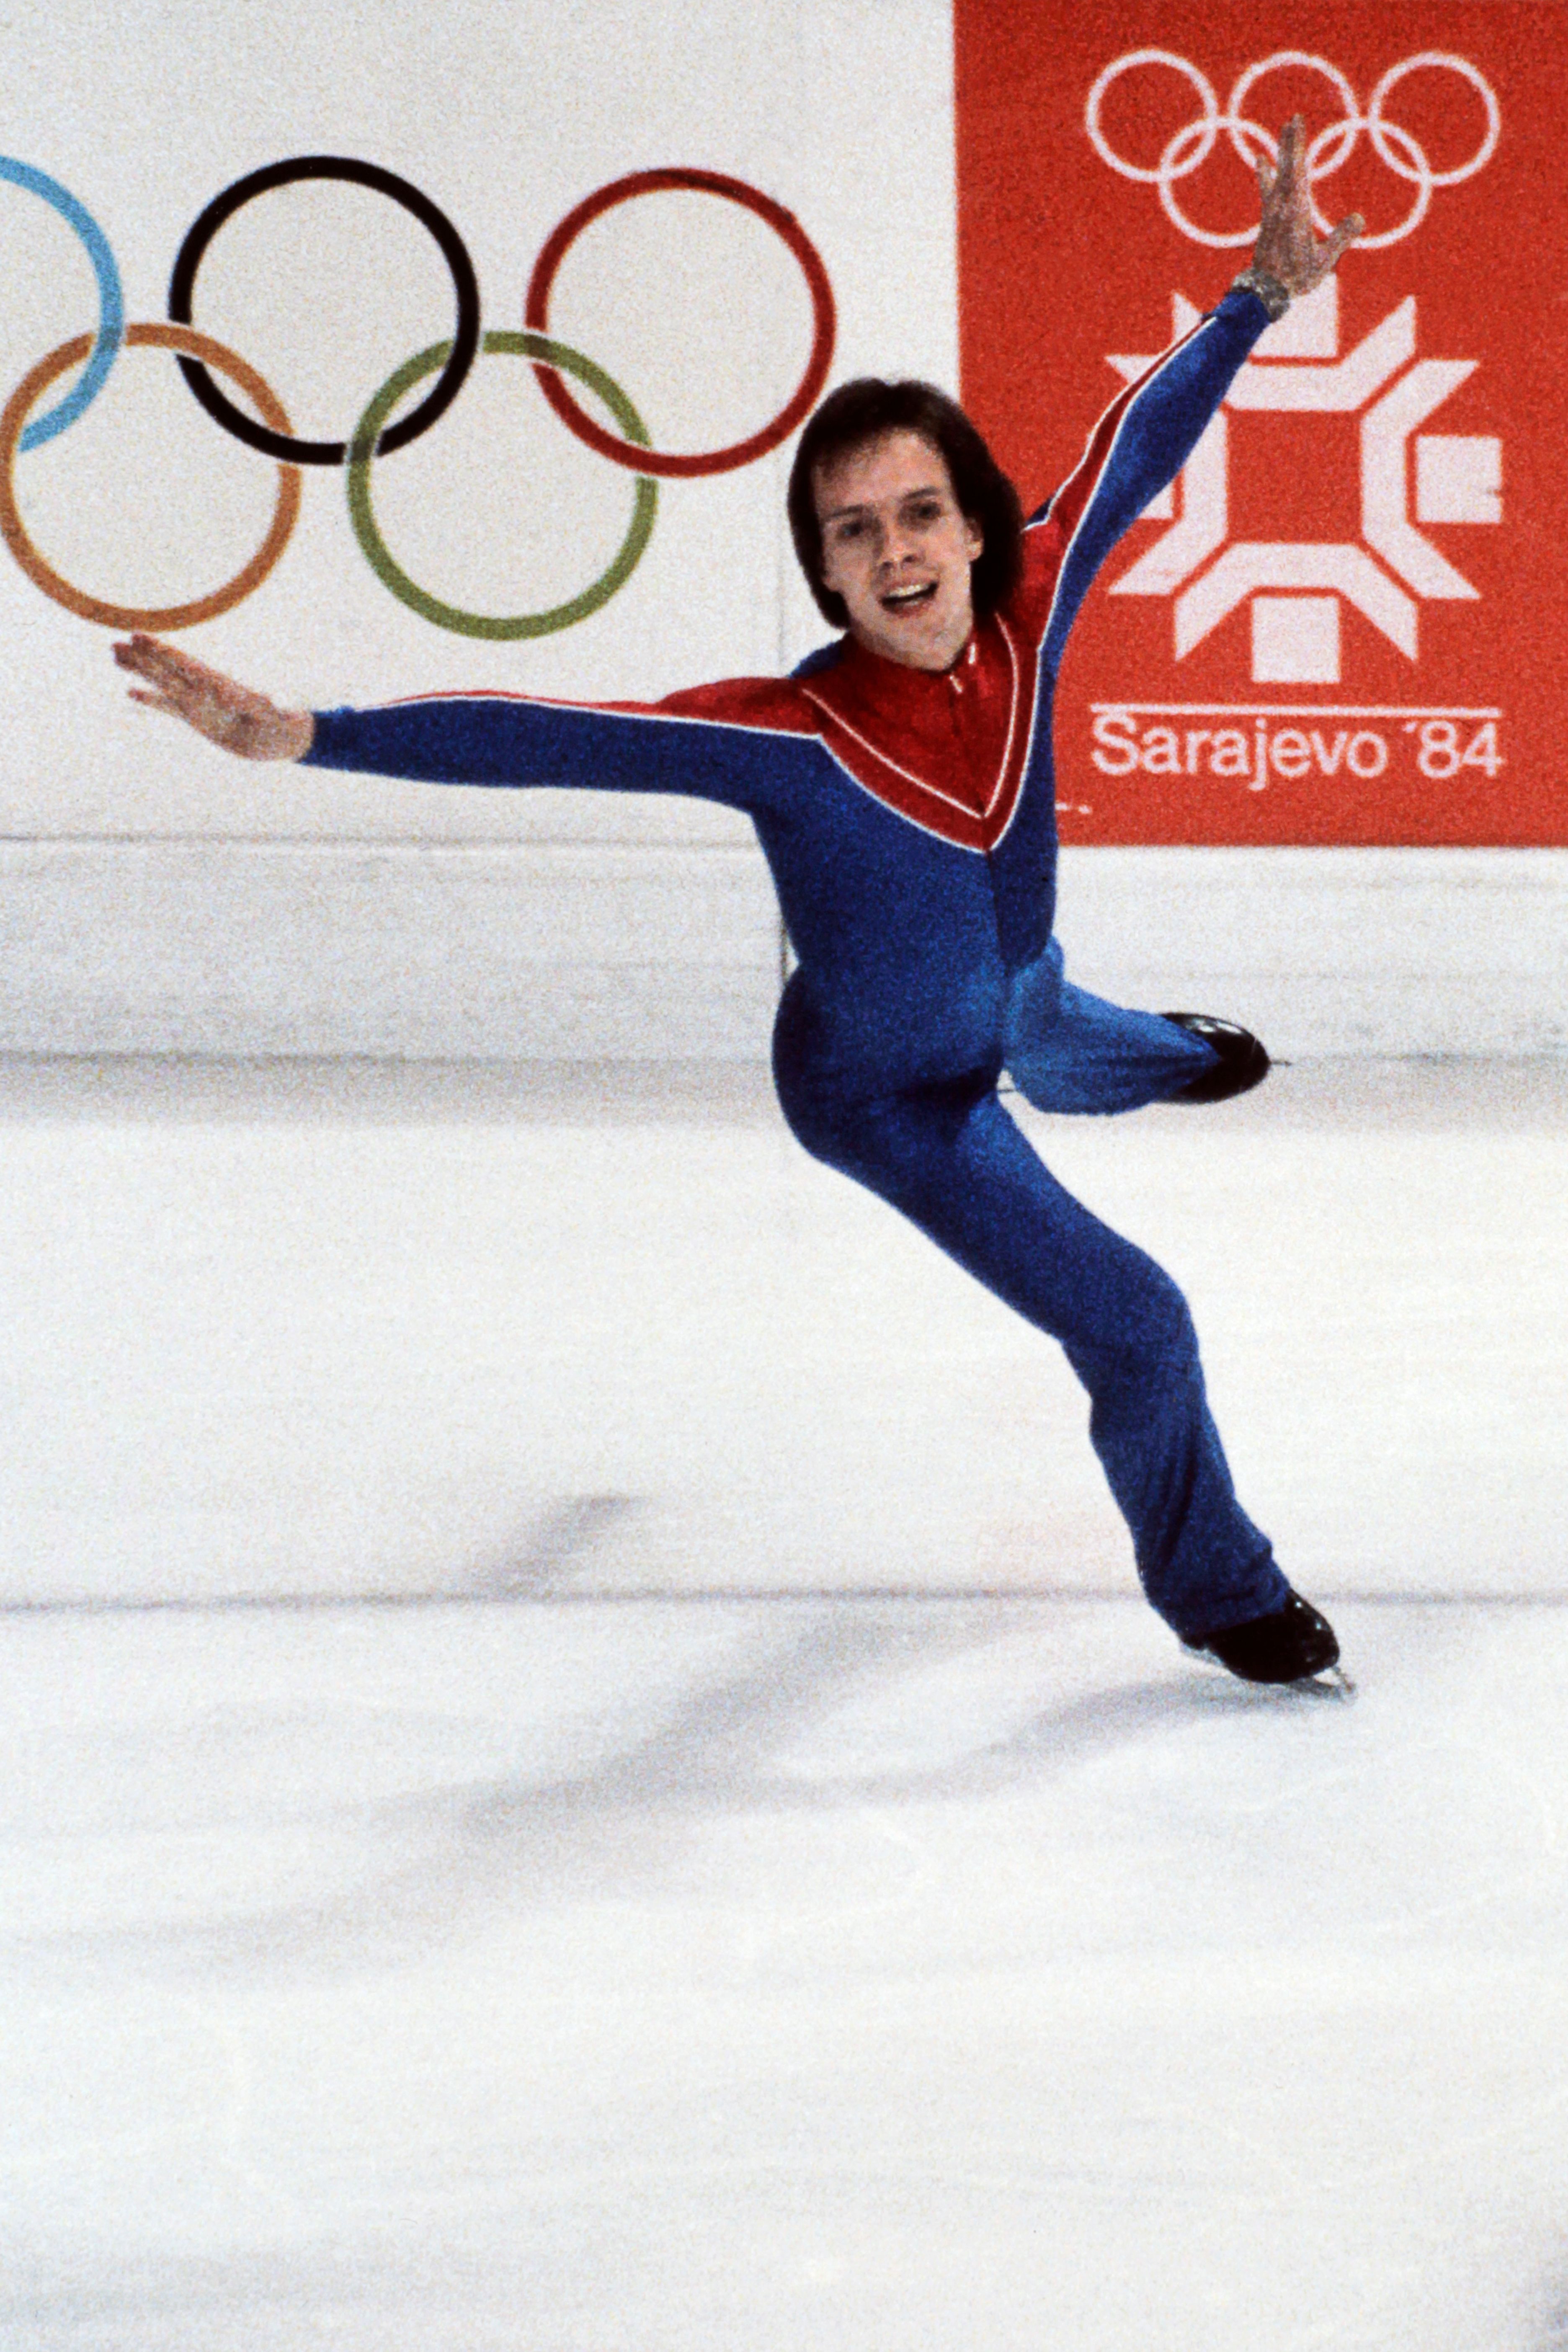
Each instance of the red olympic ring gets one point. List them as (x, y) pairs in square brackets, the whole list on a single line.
[(536, 318)]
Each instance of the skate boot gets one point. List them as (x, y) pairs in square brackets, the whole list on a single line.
[(1243, 1064), (1290, 1645)]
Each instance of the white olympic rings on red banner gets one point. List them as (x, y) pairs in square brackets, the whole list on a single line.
[(1331, 148)]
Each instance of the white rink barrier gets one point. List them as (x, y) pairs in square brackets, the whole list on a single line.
[(632, 951)]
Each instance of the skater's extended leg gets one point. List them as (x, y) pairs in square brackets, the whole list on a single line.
[(1069, 1051), (952, 1160)]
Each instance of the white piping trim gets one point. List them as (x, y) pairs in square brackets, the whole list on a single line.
[(805, 737), (603, 710), (1029, 756), (900, 817), (1012, 715), (908, 774), (1148, 384), (1131, 393)]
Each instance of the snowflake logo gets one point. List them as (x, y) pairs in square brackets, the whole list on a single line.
[(1297, 367)]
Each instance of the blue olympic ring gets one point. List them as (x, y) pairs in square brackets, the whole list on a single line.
[(111, 332)]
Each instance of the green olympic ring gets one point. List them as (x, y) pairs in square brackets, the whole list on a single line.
[(362, 449)]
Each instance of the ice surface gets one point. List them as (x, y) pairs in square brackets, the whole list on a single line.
[(582, 1770)]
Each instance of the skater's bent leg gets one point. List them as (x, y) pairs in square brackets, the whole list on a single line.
[(954, 1162), (1069, 1051)]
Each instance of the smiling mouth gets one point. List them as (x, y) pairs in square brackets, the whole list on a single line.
[(906, 600)]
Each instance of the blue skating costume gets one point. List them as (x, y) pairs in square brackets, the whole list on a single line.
[(909, 818)]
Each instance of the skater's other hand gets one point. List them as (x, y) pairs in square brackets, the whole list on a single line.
[(219, 708), (1288, 246)]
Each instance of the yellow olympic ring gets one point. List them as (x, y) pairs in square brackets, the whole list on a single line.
[(130, 616)]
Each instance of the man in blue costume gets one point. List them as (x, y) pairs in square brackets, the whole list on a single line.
[(900, 783)]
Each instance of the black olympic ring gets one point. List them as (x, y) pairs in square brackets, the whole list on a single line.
[(465, 284)]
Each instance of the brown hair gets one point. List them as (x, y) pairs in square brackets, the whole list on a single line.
[(861, 411)]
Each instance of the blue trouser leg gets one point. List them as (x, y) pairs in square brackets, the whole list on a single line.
[(1069, 1051), (954, 1162)]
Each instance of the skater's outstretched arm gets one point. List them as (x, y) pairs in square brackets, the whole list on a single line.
[(739, 742), (1149, 430)]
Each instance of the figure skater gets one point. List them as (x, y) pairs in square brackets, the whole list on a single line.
[(900, 783)]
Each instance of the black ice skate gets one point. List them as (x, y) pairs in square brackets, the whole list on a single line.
[(1243, 1064), (1291, 1644)]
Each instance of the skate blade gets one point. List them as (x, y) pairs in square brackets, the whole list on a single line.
[(1333, 1683)]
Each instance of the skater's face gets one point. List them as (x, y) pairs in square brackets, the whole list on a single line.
[(897, 548)]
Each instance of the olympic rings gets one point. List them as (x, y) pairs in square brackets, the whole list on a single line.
[(366, 442), (1329, 149), (111, 302), (462, 348), (449, 361), (130, 616), (536, 315)]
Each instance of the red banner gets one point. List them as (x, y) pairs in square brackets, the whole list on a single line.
[(1348, 620)]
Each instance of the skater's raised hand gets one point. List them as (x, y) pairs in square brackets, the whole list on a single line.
[(216, 707), (1288, 246)]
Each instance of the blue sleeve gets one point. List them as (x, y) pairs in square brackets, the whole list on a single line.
[(1142, 442), (504, 739)]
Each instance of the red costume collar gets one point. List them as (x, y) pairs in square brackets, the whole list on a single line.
[(946, 749)]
